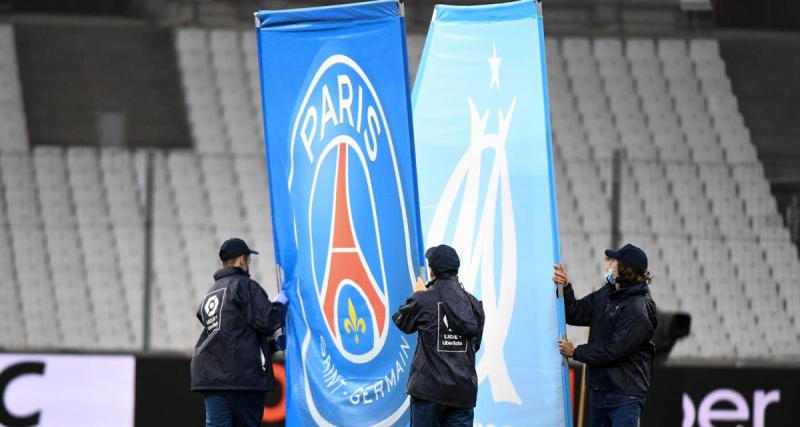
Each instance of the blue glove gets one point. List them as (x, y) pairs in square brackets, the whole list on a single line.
[(282, 298)]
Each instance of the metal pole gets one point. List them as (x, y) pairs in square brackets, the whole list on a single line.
[(582, 398), (617, 162), (148, 243), (584, 391)]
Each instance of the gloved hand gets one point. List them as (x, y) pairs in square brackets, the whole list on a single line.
[(282, 298), (280, 342)]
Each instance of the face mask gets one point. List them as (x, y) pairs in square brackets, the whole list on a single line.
[(610, 279)]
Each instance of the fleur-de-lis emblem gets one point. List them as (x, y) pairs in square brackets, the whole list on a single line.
[(354, 324)]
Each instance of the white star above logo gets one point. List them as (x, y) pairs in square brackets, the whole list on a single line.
[(494, 64)]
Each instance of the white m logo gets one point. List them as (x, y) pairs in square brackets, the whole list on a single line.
[(486, 207)]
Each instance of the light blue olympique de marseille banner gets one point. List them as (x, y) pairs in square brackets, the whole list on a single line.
[(485, 168), (345, 218)]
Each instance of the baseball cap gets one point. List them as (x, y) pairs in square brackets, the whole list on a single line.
[(233, 248), (442, 259), (631, 256)]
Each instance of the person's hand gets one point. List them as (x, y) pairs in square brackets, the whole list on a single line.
[(282, 298), (566, 348), (419, 285), (560, 275), (280, 342)]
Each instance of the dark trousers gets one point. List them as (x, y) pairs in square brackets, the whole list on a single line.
[(429, 414), (231, 408), (626, 415)]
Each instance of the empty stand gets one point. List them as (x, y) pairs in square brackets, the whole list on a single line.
[(219, 70), (694, 196), (34, 284)]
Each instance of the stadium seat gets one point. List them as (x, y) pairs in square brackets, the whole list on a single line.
[(703, 49)]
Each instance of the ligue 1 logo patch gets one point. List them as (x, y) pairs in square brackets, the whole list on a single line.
[(344, 171), (211, 310)]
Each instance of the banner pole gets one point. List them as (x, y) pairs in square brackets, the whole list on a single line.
[(148, 252), (582, 398), (414, 179), (560, 309)]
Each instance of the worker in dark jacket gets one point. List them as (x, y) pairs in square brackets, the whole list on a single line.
[(232, 360), (620, 351), (443, 384)]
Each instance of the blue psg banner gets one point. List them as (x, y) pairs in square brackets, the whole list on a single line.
[(485, 168), (345, 219)]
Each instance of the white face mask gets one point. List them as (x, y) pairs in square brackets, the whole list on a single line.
[(610, 279)]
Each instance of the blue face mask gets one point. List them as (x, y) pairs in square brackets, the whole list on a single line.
[(610, 279)]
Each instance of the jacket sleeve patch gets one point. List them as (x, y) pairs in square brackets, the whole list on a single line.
[(211, 310), (448, 341)]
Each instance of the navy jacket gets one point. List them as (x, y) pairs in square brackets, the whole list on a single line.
[(449, 323), (233, 351), (620, 350)]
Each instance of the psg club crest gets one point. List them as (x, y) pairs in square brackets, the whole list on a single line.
[(353, 232)]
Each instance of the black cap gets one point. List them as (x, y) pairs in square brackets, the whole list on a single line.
[(631, 256), (233, 248), (442, 259)]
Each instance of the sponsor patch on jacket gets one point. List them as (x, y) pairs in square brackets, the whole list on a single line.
[(449, 341), (212, 309)]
